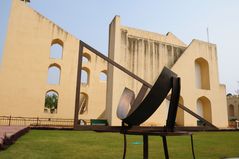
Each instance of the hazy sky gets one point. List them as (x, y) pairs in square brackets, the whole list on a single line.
[(89, 21), (5, 6)]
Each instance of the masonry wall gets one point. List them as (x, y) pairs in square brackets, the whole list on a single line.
[(233, 107), (26, 60), (146, 53), (24, 71), (143, 53), (96, 87), (215, 93)]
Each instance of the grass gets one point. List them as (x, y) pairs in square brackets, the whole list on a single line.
[(53, 144)]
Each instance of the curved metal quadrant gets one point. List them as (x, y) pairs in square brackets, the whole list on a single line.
[(138, 99), (141, 111), (135, 111)]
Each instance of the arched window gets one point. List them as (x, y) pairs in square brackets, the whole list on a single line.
[(204, 109), (202, 78), (83, 103), (103, 75), (180, 114), (85, 74), (231, 111), (86, 58), (51, 101), (56, 49), (54, 73)]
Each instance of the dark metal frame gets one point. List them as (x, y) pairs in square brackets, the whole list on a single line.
[(146, 134), (153, 99), (166, 81), (83, 45)]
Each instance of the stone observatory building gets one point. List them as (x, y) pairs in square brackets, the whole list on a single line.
[(40, 60)]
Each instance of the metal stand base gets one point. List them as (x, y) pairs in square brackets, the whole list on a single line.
[(146, 146)]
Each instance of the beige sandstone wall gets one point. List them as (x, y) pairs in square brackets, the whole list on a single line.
[(185, 68), (96, 88), (26, 58), (24, 70), (146, 53)]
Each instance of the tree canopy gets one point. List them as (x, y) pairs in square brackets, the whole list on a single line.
[(51, 101)]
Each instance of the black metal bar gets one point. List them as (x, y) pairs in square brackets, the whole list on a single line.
[(37, 121), (125, 146), (173, 106), (145, 147), (78, 85), (196, 115), (83, 44), (165, 147), (192, 146), (10, 120)]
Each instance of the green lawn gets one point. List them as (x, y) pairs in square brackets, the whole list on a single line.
[(53, 144)]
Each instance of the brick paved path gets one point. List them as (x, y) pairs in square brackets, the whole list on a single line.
[(9, 134)]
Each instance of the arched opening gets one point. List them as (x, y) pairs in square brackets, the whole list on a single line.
[(204, 109), (54, 73), (103, 75), (231, 111), (238, 112), (83, 103), (85, 75), (51, 101), (56, 49), (180, 114), (202, 78), (86, 58)]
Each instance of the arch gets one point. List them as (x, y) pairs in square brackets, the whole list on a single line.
[(238, 112), (231, 111), (55, 64), (103, 75), (84, 99), (51, 101), (202, 78), (85, 76), (204, 108), (86, 58), (54, 73), (180, 114), (57, 41), (56, 50)]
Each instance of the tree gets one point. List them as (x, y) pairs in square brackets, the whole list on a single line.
[(51, 101)]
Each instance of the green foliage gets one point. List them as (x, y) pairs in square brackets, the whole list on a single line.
[(54, 144), (51, 101)]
